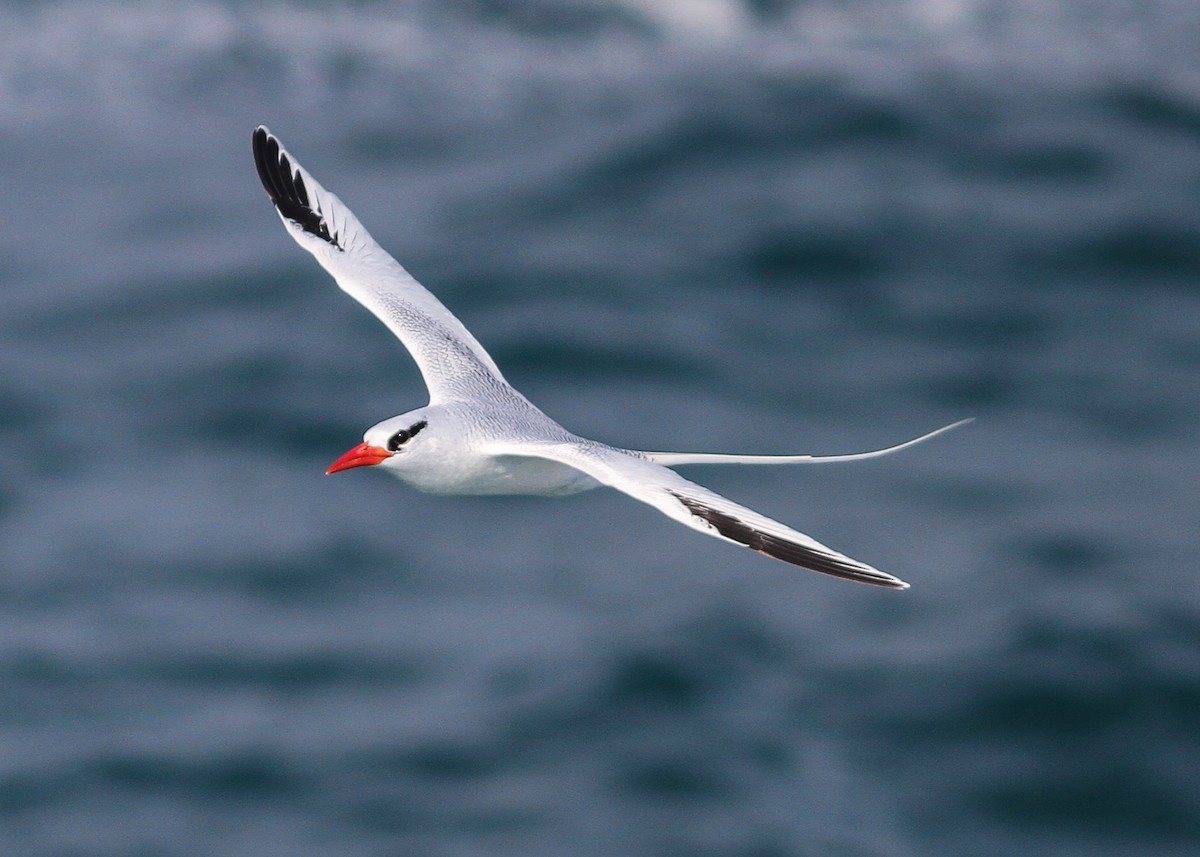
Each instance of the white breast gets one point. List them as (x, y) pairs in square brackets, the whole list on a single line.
[(503, 474)]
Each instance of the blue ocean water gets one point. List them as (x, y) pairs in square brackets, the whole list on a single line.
[(727, 225)]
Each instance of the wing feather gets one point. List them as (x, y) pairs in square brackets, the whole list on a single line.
[(703, 509), (453, 364)]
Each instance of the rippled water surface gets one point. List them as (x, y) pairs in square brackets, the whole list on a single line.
[(713, 225)]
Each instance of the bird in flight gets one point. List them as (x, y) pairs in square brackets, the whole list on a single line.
[(478, 435)]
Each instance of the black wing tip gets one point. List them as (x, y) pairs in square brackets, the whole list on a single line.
[(285, 186), (786, 551)]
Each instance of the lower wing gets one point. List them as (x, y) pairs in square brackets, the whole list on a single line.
[(701, 509)]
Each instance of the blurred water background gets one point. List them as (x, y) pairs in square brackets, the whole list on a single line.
[(728, 225)]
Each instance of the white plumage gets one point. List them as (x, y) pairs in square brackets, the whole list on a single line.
[(478, 435)]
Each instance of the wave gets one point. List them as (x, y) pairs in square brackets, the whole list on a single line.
[(72, 56)]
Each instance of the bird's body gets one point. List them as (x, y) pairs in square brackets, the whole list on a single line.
[(457, 458), (479, 435)]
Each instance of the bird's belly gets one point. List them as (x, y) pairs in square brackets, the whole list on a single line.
[(503, 474)]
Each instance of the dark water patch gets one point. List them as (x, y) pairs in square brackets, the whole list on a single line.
[(638, 680), (971, 497), (1146, 248), (135, 307), (1067, 727), (1153, 107), (696, 668), (447, 763), (1068, 553), (247, 66), (247, 775), (992, 328), (671, 779), (1179, 625), (299, 673), (382, 814), (14, 268), (1142, 416), (771, 11), (1119, 801), (281, 430), (243, 774), (1119, 689), (768, 753), (438, 762), (773, 119), (1087, 762), (1052, 163), (406, 815), (1178, 352), (26, 793), (1039, 163), (373, 144), (1135, 248), (553, 20), (7, 496), (511, 681), (479, 282), (285, 403), (863, 122), (241, 376), (636, 167), (592, 361), (759, 844), (40, 668), (490, 822), (22, 411), (641, 679), (804, 255), (698, 662), (975, 391), (209, 668), (328, 569), (827, 113)]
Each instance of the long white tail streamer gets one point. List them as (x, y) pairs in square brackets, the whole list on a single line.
[(671, 459)]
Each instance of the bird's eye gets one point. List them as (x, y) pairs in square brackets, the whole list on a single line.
[(404, 436), (396, 440)]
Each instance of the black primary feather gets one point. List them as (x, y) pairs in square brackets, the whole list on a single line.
[(779, 548), (286, 187)]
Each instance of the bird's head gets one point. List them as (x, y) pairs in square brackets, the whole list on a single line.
[(387, 443)]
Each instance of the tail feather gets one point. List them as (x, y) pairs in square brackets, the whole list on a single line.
[(672, 459)]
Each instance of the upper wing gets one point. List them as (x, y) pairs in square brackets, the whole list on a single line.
[(452, 362), (701, 509), (670, 459)]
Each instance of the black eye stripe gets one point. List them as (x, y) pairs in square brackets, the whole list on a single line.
[(404, 436)]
